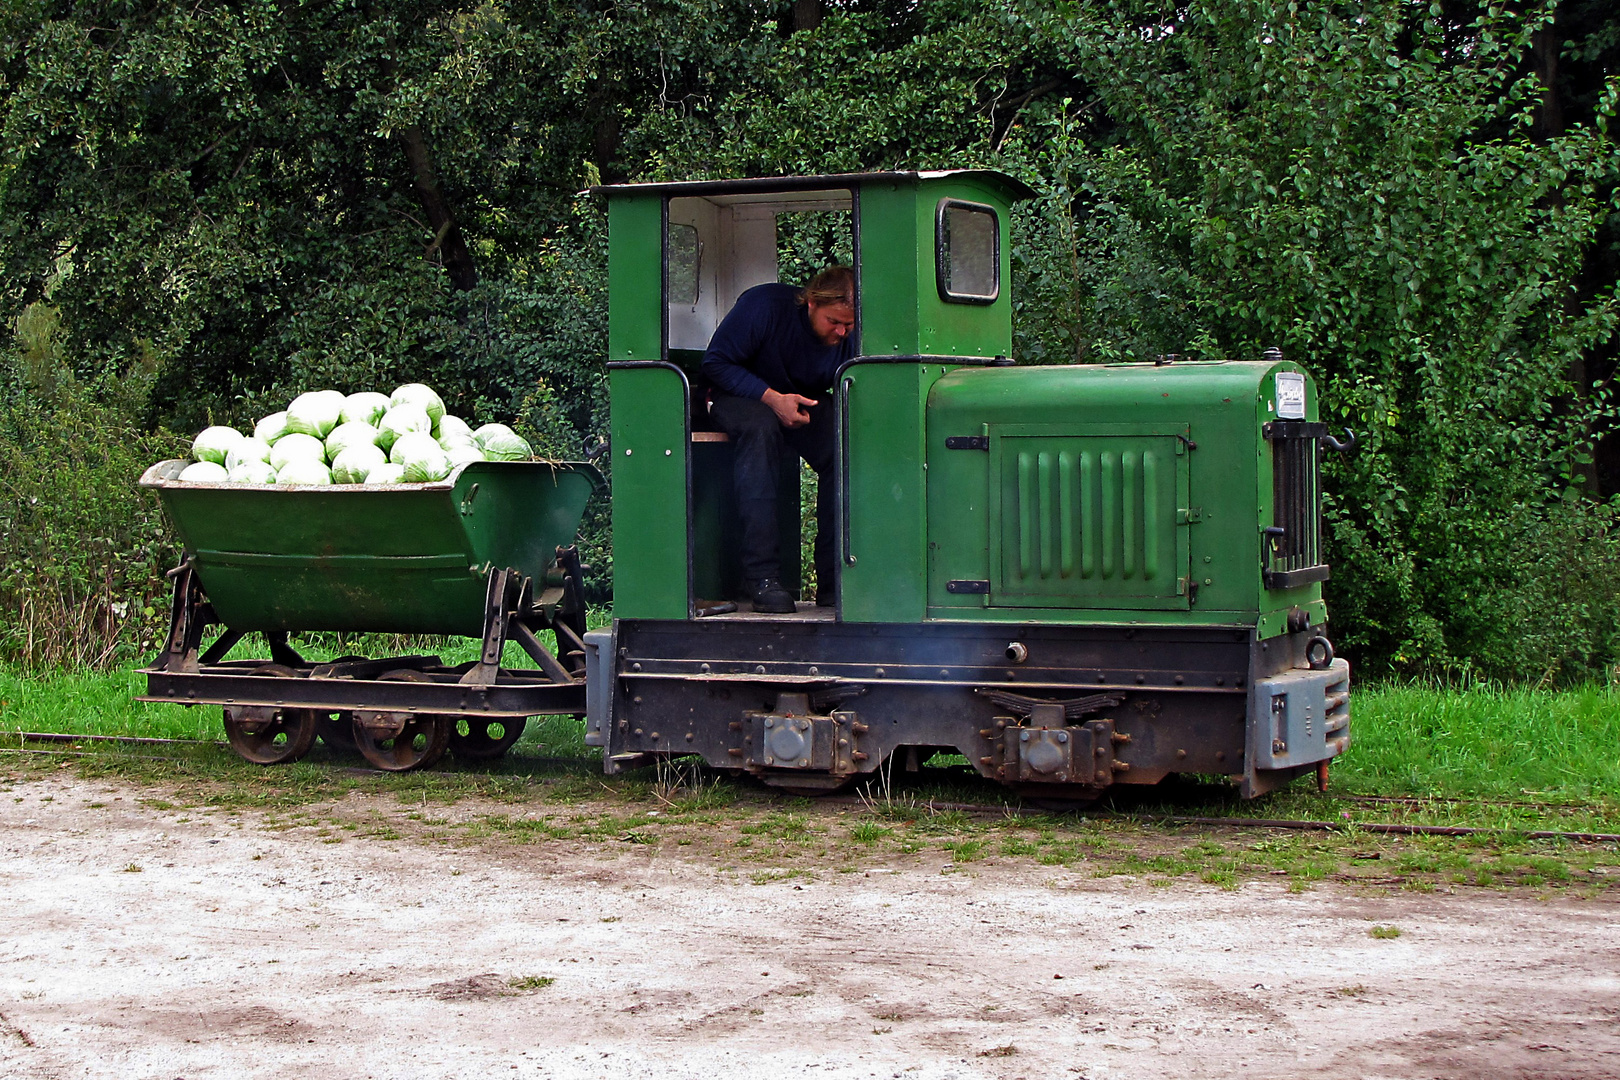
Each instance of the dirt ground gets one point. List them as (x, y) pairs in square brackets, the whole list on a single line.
[(139, 942)]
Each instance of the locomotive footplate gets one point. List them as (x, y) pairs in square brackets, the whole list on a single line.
[(1066, 709)]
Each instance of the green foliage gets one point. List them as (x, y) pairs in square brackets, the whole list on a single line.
[(82, 549)]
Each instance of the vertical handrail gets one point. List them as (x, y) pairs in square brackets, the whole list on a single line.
[(844, 388)]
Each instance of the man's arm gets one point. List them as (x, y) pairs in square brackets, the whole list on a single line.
[(734, 345)]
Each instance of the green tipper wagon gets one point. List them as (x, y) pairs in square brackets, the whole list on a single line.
[(487, 553)]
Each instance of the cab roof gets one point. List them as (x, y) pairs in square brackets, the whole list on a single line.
[(1013, 188)]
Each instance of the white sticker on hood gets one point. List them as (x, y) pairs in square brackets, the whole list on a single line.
[(1290, 395)]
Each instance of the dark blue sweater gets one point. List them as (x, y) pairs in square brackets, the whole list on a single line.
[(765, 341)]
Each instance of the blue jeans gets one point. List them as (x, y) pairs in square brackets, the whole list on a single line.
[(759, 442)]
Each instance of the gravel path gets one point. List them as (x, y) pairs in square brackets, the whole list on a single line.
[(237, 951)]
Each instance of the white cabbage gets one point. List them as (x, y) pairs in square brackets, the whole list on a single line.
[(214, 443), (489, 431), (247, 450), (451, 427), (368, 438), (366, 407), (387, 473), (355, 463), (205, 472), (403, 420), (271, 427), (506, 446), (463, 453), (315, 413), (305, 471), (425, 463), (253, 472), (296, 447), (353, 433), (416, 442), (417, 394)]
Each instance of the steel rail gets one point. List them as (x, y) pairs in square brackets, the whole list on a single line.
[(1303, 824), (1419, 800), (62, 737), (1389, 828), (88, 753)]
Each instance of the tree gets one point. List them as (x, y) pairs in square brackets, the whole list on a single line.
[(219, 207)]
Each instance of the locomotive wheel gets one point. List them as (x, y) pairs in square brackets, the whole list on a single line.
[(336, 732), (267, 734), (473, 738), (420, 742)]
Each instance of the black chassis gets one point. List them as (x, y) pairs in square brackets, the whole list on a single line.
[(514, 609), (1063, 712)]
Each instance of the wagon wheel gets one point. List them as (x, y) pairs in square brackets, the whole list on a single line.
[(421, 740), (270, 734), (336, 732), (474, 738)]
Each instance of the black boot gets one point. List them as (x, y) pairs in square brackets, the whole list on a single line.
[(770, 598)]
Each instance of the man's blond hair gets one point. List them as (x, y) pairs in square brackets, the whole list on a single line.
[(834, 285)]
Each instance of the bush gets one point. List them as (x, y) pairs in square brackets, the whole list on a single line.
[(83, 550)]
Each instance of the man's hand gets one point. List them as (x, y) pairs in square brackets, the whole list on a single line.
[(791, 409)]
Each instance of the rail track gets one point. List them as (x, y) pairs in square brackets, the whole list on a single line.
[(1387, 828)]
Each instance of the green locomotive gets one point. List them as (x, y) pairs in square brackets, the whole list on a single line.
[(1072, 576)]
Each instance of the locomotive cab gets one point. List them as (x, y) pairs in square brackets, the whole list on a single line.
[(930, 256), (1072, 576)]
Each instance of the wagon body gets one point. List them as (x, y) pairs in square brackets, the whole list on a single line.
[(400, 558)]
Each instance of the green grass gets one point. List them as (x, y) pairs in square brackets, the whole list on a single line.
[(1484, 743), (103, 702), (1538, 746), (97, 703)]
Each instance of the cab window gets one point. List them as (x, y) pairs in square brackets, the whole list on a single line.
[(968, 249)]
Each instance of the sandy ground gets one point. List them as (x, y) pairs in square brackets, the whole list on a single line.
[(242, 952)]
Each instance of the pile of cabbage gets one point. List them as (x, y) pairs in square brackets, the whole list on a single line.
[(326, 437)]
